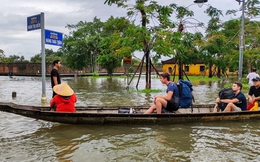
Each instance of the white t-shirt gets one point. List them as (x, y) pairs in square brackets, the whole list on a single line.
[(250, 76)]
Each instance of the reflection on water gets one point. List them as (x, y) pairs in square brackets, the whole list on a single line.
[(228, 140), (25, 139), (215, 141)]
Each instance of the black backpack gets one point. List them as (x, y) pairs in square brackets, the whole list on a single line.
[(226, 93)]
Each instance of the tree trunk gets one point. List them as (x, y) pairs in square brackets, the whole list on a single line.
[(148, 70), (218, 73), (180, 70), (249, 67), (210, 71), (180, 29), (146, 50)]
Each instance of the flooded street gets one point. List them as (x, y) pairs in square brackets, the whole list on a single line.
[(98, 91), (26, 139)]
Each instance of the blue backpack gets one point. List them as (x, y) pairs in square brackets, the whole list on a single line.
[(185, 91)]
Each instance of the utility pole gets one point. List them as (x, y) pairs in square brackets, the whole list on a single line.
[(241, 47)]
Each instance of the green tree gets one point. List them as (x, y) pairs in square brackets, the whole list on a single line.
[(250, 39), (36, 58), (2, 55), (221, 42), (89, 43), (251, 9), (78, 46), (155, 22), (14, 58), (252, 45), (112, 50), (212, 50), (50, 56), (231, 31)]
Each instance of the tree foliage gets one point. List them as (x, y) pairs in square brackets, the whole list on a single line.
[(89, 43), (1, 54), (50, 56), (251, 39), (157, 30), (12, 58), (113, 49)]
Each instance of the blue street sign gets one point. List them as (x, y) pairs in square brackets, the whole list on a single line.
[(53, 38), (34, 22)]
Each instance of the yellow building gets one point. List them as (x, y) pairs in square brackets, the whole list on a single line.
[(197, 68)]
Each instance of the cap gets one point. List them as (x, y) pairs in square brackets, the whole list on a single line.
[(256, 79)]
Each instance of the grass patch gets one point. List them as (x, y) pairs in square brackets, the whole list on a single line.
[(191, 78), (147, 91), (196, 78), (95, 74), (244, 83)]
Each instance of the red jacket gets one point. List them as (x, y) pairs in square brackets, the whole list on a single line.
[(64, 104)]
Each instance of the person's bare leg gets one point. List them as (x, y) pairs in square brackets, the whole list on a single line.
[(230, 107), (215, 109), (150, 110), (159, 103), (158, 107)]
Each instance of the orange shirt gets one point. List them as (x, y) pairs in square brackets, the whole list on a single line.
[(64, 104)]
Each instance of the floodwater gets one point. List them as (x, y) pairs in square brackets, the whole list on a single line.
[(98, 91), (26, 139)]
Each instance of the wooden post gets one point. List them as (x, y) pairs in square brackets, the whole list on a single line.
[(13, 94)]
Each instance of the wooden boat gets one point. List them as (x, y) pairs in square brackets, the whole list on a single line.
[(111, 115)]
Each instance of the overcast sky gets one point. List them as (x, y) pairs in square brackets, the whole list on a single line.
[(16, 40)]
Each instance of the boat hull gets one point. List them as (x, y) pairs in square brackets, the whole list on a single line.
[(110, 115)]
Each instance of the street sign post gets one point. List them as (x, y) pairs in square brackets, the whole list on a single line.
[(33, 23), (53, 38), (43, 99), (47, 37)]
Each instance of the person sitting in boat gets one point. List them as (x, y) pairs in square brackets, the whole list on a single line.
[(65, 99), (252, 75), (254, 90), (239, 103), (169, 102)]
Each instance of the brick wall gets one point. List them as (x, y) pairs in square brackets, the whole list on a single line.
[(33, 68), (29, 68)]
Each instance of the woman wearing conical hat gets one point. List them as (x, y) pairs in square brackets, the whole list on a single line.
[(65, 99)]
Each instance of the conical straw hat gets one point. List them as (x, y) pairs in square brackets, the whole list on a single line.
[(63, 89)]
